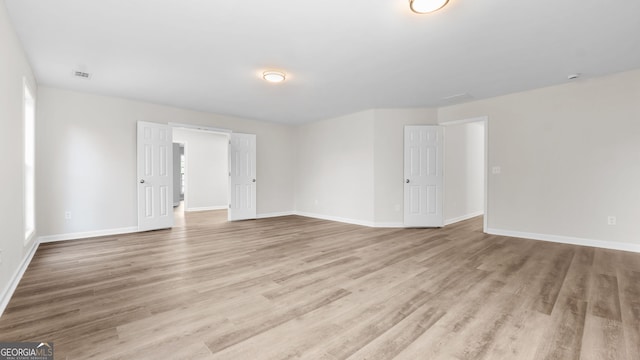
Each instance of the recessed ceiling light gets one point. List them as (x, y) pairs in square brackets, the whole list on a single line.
[(426, 6), (273, 76)]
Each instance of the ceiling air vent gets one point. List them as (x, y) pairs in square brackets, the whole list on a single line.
[(457, 98), (81, 74)]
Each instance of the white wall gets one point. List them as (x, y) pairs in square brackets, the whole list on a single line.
[(570, 157), (463, 171), (86, 153), (206, 169), (353, 166), (335, 168), (13, 68)]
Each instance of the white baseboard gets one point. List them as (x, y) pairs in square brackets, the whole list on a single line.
[(333, 218), (275, 214), (463, 217), (208, 208), (87, 234), (389, 225), (567, 240), (8, 291), (336, 218)]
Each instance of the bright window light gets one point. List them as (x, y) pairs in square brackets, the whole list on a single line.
[(29, 162)]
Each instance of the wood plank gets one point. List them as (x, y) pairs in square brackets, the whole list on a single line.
[(604, 299), (300, 288), (603, 339), (629, 287), (563, 339)]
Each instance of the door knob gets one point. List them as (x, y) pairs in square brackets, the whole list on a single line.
[(142, 181), (408, 181), (254, 180)]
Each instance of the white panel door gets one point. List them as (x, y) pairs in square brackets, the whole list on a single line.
[(155, 176), (242, 177), (423, 177)]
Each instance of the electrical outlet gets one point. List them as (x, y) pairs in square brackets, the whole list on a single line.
[(67, 215), (496, 170), (611, 220)]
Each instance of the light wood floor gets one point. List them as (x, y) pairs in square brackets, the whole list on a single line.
[(300, 288)]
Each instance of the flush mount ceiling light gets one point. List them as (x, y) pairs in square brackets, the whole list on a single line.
[(426, 6), (273, 76)]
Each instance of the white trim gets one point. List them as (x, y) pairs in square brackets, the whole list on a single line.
[(567, 240), (199, 128), (337, 218), (8, 291), (207, 208), (389, 225), (87, 234), (185, 195), (463, 217), (29, 237), (485, 221), (275, 214), (464, 121)]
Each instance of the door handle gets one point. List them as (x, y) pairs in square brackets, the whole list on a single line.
[(408, 181), (141, 181)]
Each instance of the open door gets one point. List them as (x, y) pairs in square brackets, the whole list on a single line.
[(423, 176), (155, 176), (242, 177)]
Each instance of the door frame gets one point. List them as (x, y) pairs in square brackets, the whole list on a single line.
[(209, 129), (484, 119)]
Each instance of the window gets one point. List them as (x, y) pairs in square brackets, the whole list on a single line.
[(29, 162)]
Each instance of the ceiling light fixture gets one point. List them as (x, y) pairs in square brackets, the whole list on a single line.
[(426, 6), (273, 76)]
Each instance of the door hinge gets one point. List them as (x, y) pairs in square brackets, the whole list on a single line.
[(229, 206)]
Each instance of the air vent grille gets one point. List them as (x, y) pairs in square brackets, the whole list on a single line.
[(458, 98), (81, 74)]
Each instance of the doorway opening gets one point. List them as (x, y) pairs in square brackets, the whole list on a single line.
[(178, 174), (465, 169), (237, 186), (201, 181)]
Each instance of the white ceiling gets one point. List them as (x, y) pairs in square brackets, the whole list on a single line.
[(341, 56)]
